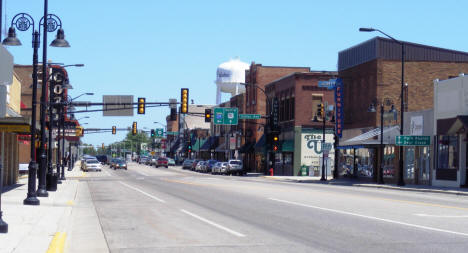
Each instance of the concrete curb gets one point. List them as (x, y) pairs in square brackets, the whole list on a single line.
[(375, 186)]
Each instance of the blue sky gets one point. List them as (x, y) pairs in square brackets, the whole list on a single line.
[(151, 49)]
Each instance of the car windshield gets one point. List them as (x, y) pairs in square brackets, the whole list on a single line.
[(120, 161), (235, 162), (92, 161)]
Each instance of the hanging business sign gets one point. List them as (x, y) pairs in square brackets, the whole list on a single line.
[(339, 121)]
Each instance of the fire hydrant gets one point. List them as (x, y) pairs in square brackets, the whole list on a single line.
[(271, 171)]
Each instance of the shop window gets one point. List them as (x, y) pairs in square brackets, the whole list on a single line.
[(447, 152)]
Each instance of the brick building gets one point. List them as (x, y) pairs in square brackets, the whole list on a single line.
[(299, 96), (255, 103), (371, 73)]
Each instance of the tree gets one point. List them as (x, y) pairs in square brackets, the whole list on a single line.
[(89, 149)]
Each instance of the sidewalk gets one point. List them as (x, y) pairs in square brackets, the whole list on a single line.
[(44, 227), (358, 183)]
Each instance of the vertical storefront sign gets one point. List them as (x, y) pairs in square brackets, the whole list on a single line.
[(339, 107)]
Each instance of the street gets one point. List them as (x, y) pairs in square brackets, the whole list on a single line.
[(144, 209)]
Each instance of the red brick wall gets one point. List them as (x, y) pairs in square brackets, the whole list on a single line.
[(382, 79)]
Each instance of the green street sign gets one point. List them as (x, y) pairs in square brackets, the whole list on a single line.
[(172, 133), (250, 116), (412, 140), (226, 116), (218, 114), (159, 132)]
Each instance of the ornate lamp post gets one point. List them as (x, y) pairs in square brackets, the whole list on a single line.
[(382, 110), (400, 181), (23, 22)]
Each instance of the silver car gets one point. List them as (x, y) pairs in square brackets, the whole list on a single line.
[(92, 164), (235, 167)]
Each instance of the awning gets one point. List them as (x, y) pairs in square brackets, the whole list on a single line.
[(175, 145), (367, 139), (247, 147), (287, 146), (198, 144), (221, 147), (452, 126), (260, 145), (209, 144)]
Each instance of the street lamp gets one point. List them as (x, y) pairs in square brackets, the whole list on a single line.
[(324, 120), (23, 22), (87, 93), (400, 181), (392, 110)]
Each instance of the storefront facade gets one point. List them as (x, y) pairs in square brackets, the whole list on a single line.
[(451, 127)]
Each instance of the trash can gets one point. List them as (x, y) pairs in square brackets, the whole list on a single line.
[(304, 170)]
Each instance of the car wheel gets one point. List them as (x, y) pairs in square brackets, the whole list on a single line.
[(115, 169), (125, 168), (167, 167)]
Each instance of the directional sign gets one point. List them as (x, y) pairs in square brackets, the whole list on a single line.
[(159, 132), (412, 140), (231, 116), (226, 116), (250, 116)]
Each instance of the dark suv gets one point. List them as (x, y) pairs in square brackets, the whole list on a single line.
[(102, 159)]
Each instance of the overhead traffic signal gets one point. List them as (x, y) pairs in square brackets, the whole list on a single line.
[(114, 130), (141, 105), (152, 133), (134, 128), (207, 115), (184, 97), (79, 131)]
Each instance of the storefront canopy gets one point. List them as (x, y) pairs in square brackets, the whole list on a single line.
[(260, 145), (372, 138), (209, 144), (248, 147), (221, 147), (198, 144), (452, 126)]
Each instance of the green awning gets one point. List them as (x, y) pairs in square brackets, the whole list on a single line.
[(198, 144), (287, 146)]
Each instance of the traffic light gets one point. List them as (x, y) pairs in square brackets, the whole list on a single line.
[(114, 130), (184, 97), (134, 128), (141, 105), (207, 115), (189, 147), (79, 131), (173, 114), (152, 133), (320, 110), (275, 141)]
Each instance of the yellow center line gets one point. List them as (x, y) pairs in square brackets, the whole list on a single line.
[(57, 244)]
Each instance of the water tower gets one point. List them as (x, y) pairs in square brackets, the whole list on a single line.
[(230, 78)]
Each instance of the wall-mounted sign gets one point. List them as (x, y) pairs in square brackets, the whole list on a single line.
[(339, 107)]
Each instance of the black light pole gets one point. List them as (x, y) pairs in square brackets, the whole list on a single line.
[(62, 175), (401, 181), (323, 178), (22, 22), (50, 23)]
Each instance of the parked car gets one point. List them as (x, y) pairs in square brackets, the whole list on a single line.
[(143, 160), (235, 167), (209, 165), (120, 164), (162, 161), (92, 164), (194, 164), (223, 168), (200, 166), (170, 162), (187, 164), (216, 168)]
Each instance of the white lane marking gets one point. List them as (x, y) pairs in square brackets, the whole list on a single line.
[(147, 194), (142, 173), (441, 216), (370, 217), (213, 224)]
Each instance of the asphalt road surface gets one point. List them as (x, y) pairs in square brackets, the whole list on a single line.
[(147, 209)]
